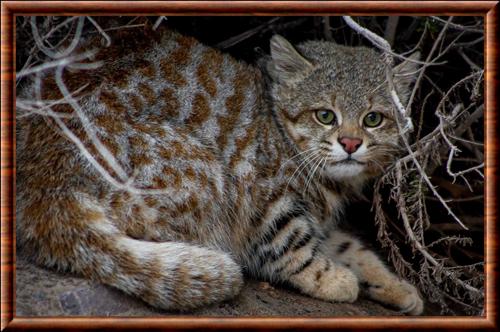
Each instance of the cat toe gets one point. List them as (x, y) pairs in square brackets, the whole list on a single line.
[(416, 308), (400, 295), (339, 285), (417, 304)]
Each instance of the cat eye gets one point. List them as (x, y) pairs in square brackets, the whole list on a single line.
[(325, 117), (373, 119)]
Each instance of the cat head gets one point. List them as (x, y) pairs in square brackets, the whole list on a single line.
[(334, 104)]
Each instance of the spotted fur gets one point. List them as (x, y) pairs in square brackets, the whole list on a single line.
[(223, 156)]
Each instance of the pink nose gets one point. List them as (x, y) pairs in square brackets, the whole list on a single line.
[(350, 145)]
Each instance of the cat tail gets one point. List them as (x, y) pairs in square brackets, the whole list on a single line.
[(169, 275)]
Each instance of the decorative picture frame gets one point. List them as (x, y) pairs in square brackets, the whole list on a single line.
[(487, 9)]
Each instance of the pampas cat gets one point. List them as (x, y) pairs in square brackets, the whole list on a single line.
[(187, 168)]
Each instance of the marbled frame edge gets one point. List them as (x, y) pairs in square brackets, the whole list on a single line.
[(9, 9)]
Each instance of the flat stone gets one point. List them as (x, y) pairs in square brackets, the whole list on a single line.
[(42, 292)]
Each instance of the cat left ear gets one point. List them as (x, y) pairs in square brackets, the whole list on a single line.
[(406, 72), (287, 65)]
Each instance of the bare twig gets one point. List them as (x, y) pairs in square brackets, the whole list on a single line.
[(245, 35), (158, 22), (468, 60), (384, 45), (458, 26), (419, 246), (57, 54), (101, 31), (418, 165), (58, 63), (390, 29), (428, 59), (381, 43), (327, 29), (44, 38)]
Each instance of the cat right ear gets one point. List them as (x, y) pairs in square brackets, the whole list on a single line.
[(287, 65)]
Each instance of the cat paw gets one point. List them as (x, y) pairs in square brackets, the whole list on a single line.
[(398, 294), (338, 285)]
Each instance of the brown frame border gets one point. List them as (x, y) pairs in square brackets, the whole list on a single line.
[(488, 9)]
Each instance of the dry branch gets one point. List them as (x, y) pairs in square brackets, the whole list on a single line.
[(411, 181)]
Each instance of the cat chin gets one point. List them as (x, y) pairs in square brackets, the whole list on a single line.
[(345, 171)]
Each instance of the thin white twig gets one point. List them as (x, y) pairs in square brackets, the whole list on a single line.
[(458, 26), (468, 60), (390, 29), (101, 31), (57, 54), (466, 140), (422, 173), (421, 248), (53, 30), (42, 107), (397, 102), (58, 63), (386, 48), (127, 183), (131, 26), (88, 127), (381, 43), (384, 45), (429, 57), (158, 22), (373, 37)]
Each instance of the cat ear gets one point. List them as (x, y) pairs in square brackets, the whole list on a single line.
[(287, 65), (406, 72)]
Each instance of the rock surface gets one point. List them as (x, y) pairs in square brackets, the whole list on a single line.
[(40, 292)]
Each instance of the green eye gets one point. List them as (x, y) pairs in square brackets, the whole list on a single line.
[(326, 117), (373, 119)]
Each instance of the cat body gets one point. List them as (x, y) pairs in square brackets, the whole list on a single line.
[(192, 169)]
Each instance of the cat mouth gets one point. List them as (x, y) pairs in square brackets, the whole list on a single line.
[(350, 161)]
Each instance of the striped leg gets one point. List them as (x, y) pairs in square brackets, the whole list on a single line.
[(288, 250), (375, 278)]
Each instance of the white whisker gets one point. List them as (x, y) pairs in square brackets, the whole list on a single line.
[(310, 157), (312, 174), (306, 167), (296, 156)]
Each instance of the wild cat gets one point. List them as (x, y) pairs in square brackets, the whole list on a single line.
[(234, 170)]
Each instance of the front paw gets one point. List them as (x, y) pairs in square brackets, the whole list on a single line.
[(399, 294), (338, 285)]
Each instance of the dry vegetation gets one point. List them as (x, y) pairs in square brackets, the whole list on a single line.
[(428, 207)]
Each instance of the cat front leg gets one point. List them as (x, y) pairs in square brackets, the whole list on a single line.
[(376, 280), (288, 249), (321, 278)]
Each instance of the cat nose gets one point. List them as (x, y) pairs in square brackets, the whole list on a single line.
[(349, 144)]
